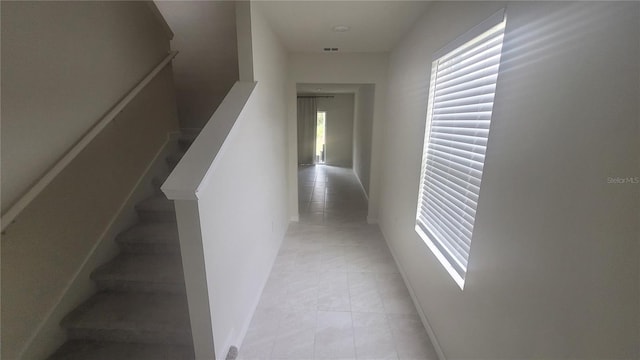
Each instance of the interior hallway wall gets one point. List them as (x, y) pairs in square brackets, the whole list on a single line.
[(64, 65), (339, 128), (553, 268), (207, 64), (362, 133)]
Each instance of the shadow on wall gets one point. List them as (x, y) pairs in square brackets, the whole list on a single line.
[(207, 64)]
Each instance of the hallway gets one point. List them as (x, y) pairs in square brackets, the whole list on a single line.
[(334, 291)]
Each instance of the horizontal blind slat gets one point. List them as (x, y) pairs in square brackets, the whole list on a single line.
[(483, 90), (480, 75), (459, 241), (480, 82), (466, 210), (459, 224), (482, 60), (435, 225), (465, 172), (471, 140), (464, 183)]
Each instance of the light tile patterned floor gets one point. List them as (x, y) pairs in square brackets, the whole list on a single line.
[(334, 291)]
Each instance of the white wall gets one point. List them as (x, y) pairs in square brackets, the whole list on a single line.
[(347, 68), (64, 65), (207, 65), (362, 131), (339, 128), (553, 269), (241, 212)]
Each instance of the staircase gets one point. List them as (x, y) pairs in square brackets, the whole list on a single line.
[(140, 311)]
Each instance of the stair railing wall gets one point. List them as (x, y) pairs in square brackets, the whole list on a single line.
[(10, 215), (185, 186), (67, 223)]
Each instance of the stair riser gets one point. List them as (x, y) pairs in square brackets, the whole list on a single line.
[(131, 336), (144, 287)]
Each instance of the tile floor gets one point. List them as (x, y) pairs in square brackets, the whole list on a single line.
[(334, 291)]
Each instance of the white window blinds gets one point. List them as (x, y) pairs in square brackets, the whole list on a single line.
[(463, 83)]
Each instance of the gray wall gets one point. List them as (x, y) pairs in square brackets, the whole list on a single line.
[(362, 133), (339, 130), (553, 269), (64, 65), (207, 65)]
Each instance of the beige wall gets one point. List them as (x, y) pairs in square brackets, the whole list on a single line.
[(339, 128), (553, 269), (64, 65), (362, 131), (70, 63), (207, 65)]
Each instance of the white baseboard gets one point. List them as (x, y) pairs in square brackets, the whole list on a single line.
[(423, 316), (239, 338), (364, 192)]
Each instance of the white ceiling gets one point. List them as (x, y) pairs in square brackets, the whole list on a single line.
[(376, 26)]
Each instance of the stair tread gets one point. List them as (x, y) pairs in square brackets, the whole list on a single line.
[(156, 202), (134, 312), (148, 268), (165, 232), (96, 350)]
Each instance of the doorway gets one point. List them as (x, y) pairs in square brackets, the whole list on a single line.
[(321, 143)]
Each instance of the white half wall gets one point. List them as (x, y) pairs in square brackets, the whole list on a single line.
[(362, 131), (339, 128), (347, 68), (553, 268), (233, 214)]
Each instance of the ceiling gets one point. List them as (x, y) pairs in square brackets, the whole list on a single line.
[(375, 26)]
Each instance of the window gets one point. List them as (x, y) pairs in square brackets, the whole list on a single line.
[(461, 93)]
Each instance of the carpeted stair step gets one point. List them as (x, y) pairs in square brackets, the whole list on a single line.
[(154, 238), (156, 208), (142, 273), (131, 317), (95, 350), (173, 159)]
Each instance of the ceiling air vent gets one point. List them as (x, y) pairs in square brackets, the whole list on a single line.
[(329, 49)]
